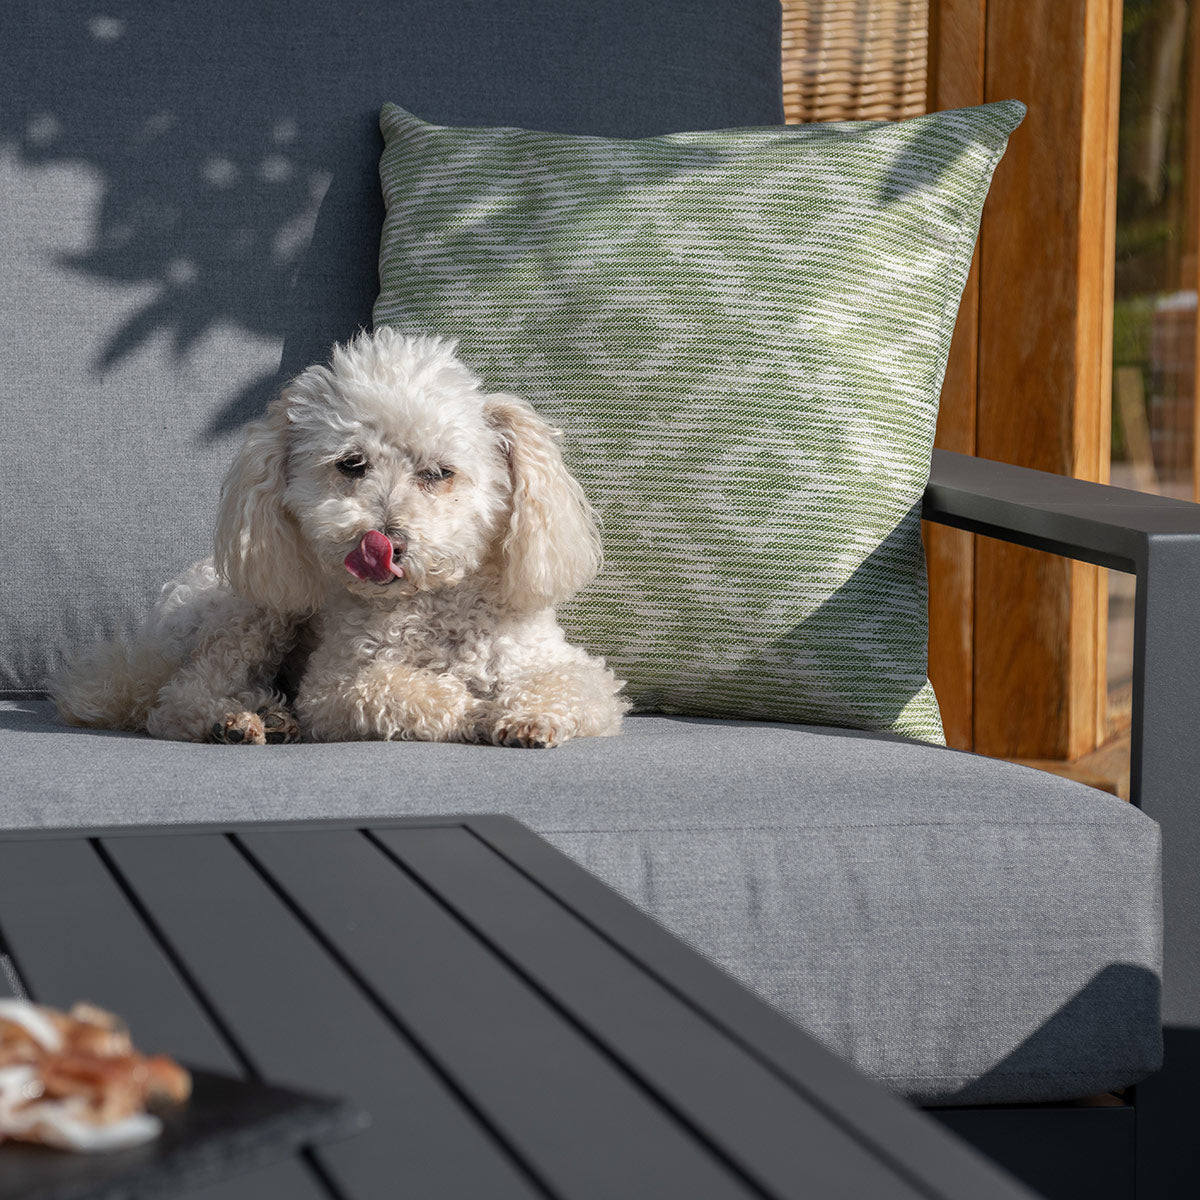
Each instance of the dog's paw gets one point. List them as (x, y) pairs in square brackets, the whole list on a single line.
[(535, 732), (280, 726), (239, 729), (268, 726)]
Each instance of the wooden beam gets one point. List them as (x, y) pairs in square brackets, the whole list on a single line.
[(1045, 320), (956, 80)]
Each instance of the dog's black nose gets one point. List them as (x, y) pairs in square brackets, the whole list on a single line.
[(399, 544)]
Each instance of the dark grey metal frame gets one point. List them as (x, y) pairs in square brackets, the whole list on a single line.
[(1158, 541)]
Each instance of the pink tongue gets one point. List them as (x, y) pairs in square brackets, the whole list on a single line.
[(372, 559)]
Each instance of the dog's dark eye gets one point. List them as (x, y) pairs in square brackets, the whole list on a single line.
[(435, 474), (353, 466)]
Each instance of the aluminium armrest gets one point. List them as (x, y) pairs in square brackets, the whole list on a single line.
[(1158, 540), (1091, 522)]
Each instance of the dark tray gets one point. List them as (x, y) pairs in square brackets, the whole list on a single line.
[(227, 1127)]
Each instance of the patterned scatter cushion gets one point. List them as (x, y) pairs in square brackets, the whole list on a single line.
[(743, 334)]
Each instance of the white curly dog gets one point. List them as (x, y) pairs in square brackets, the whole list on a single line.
[(391, 542)]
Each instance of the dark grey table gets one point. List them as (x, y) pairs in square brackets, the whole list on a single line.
[(514, 1028)]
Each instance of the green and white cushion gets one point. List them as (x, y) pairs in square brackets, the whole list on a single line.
[(743, 334)]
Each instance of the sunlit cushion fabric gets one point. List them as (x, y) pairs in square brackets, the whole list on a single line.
[(743, 334)]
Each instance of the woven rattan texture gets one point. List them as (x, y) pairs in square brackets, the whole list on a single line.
[(852, 60)]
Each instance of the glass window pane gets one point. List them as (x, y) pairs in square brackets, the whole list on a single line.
[(1155, 311)]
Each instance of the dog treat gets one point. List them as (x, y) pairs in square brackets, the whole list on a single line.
[(73, 1080)]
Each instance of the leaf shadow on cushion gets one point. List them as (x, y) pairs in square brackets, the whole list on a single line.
[(196, 186), (233, 150)]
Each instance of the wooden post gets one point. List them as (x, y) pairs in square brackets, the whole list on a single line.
[(1017, 639), (1044, 365), (956, 80)]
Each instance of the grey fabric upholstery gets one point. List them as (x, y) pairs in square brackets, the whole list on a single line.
[(964, 930), (190, 214)]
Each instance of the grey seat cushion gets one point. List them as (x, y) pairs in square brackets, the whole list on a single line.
[(962, 929)]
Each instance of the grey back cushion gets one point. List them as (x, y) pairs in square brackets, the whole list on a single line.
[(190, 213)]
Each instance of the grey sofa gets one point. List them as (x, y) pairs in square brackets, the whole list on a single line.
[(191, 214)]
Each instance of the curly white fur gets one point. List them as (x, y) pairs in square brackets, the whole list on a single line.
[(458, 643)]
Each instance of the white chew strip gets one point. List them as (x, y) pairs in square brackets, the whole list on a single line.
[(33, 1021), (60, 1127), (63, 1123)]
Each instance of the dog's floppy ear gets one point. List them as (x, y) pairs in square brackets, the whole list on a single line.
[(258, 545), (552, 546)]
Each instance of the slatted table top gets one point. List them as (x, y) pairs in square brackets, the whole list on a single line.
[(514, 1028)]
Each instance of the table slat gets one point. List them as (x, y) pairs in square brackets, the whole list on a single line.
[(592, 1131), (774, 1131), (302, 1021), (73, 935), (288, 1180), (946, 1167)]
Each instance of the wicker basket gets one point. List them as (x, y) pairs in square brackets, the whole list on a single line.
[(851, 60)]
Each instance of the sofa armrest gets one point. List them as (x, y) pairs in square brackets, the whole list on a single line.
[(1158, 540), (1155, 538), (1091, 522)]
